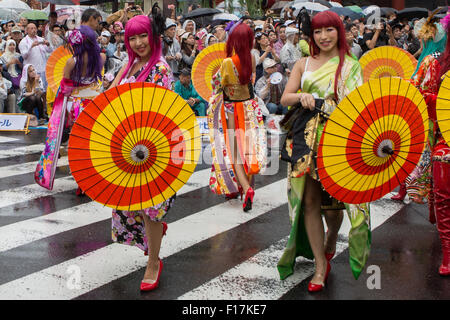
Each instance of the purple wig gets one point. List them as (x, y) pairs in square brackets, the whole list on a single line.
[(138, 25), (95, 63)]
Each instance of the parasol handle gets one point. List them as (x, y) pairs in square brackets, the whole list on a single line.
[(140, 154), (388, 150)]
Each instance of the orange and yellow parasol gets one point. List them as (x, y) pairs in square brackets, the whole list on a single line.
[(387, 61), (205, 65), (443, 107), (373, 140), (134, 146), (54, 70)]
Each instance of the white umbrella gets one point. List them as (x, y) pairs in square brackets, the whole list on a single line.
[(17, 5), (8, 14), (225, 16), (310, 6), (335, 4)]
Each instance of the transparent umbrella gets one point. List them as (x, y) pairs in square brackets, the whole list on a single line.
[(16, 5), (8, 14)]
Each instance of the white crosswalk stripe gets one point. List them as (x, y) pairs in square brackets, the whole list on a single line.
[(254, 278)]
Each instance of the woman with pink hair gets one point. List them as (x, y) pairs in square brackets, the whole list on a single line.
[(144, 229), (330, 73), (236, 127)]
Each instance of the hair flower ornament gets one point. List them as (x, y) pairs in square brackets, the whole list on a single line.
[(75, 37)]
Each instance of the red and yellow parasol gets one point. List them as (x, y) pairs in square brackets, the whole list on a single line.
[(134, 146), (373, 140), (205, 65), (387, 61), (54, 70), (443, 107)]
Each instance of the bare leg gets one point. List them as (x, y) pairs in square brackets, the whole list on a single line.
[(334, 221), (241, 176), (314, 227), (153, 231)]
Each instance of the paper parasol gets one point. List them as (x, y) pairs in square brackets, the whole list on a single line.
[(373, 140), (54, 70), (387, 61), (134, 146), (205, 66), (443, 107)]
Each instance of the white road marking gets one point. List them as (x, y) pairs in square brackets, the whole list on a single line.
[(27, 167), (114, 261), (23, 232), (258, 279), (22, 151), (8, 139)]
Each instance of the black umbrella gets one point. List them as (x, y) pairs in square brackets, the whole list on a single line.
[(201, 12), (385, 11), (346, 12), (411, 13)]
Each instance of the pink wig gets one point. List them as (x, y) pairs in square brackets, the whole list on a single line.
[(138, 25), (240, 42), (330, 19)]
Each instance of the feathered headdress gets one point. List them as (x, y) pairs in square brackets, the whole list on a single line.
[(429, 27)]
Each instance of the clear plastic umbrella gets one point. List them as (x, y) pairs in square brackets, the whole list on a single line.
[(16, 5), (8, 14)]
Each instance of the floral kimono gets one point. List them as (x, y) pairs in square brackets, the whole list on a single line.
[(232, 99), (418, 183), (321, 83), (128, 226)]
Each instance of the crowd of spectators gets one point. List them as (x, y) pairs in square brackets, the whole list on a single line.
[(26, 45)]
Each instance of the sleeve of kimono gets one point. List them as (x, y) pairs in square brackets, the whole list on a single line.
[(351, 77), (221, 78), (427, 77), (162, 77)]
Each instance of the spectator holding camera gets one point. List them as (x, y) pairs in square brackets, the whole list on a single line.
[(35, 50), (189, 51)]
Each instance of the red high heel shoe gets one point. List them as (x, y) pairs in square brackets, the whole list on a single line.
[(401, 193), (79, 192), (248, 202), (330, 255), (163, 234), (152, 286), (234, 195), (312, 287)]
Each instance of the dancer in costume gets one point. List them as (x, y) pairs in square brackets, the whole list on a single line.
[(330, 73), (236, 128), (144, 228), (82, 71), (434, 38), (429, 180)]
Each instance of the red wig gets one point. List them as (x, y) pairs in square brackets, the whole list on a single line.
[(240, 42), (330, 19)]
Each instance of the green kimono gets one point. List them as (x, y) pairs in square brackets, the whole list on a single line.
[(321, 82), (186, 93)]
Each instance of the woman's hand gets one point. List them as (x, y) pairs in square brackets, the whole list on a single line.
[(307, 100)]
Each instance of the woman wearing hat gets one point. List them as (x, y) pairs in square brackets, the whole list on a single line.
[(189, 51), (235, 119)]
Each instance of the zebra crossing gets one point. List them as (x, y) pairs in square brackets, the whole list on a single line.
[(55, 245)]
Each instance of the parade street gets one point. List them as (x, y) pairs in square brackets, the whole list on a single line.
[(57, 245)]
